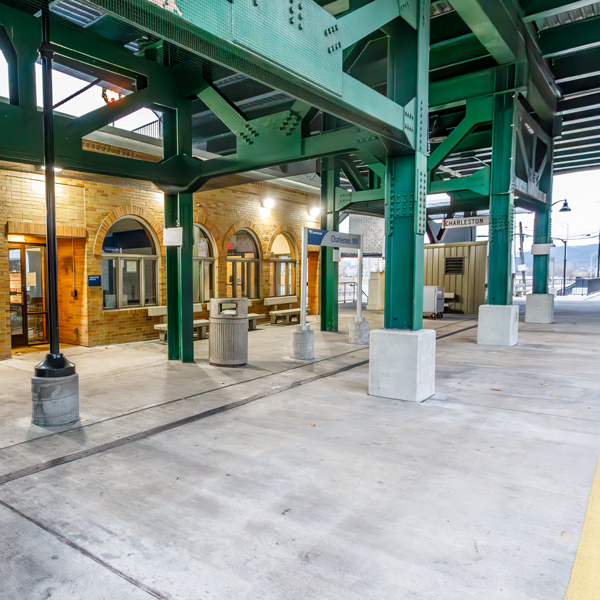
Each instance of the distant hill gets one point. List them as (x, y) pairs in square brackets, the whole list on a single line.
[(578, 256)]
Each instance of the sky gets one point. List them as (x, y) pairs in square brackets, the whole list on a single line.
[(582, 190)]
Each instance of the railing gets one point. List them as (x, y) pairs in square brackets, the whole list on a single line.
[(579, 286), (153, 130), (347, 292)]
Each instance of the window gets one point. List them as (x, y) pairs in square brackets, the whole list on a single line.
[(129, 266), (283, 266), (204, 266), (455, 265), (243, 266)]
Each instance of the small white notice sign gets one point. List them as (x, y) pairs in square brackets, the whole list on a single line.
[(173, 236)]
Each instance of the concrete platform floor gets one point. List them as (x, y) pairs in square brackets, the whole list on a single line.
[(285, 480)]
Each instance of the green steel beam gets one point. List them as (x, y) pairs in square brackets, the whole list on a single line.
[(406, 179), (330, 220), (574, 37), (300, 53), (536, 10), (345, 200), (478, 110), (478, 182), (501, 199), (493, 26)]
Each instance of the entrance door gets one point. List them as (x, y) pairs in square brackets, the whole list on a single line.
[(28, 314)]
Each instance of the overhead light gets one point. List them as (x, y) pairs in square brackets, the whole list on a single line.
[(314, 212), (268, 203), (565, 207)]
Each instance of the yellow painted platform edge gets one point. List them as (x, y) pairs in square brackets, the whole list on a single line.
[(585, 576)]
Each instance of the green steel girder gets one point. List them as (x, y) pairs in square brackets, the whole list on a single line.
[(580, 65), (478, 110), (574, 37), (478, 183), (356, 179), (300, 53), (542, 9), (345, 200)]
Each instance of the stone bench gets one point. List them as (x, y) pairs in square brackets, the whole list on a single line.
[(284, 314), (201, 326)]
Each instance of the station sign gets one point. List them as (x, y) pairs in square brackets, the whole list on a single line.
[(334, 239), (465, 222), (94, 280)]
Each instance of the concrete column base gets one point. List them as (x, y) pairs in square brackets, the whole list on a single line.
[(498, 325), (359, 332), (539, 308), (55, 401), (402, 364), (303, 343)]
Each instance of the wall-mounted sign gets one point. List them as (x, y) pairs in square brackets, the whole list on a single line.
[(94, 280), (465, 222), (335, 239), (173, 236)]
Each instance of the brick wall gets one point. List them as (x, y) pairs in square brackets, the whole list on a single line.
[(95, 203)]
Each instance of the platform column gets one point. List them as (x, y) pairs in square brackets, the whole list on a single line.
[(330, 179), (402, 356), (539, 306), (499, 319), (179, 213)]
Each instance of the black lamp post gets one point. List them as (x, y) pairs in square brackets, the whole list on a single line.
[(54, 364)]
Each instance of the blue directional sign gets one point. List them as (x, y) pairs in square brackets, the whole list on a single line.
[(335, 239), (94, 280)]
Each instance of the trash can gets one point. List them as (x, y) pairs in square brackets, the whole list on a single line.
[(228, 339)]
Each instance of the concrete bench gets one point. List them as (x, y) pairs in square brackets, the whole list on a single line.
[(252, 318), (161, 311), (284, 314), (200, 328)]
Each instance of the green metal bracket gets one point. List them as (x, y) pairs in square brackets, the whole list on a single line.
[(479, 110), (478, 182), (345, 199)]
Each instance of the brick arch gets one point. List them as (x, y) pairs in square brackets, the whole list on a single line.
[(209, 225), (244, 224), (283, 229), (127, 211)]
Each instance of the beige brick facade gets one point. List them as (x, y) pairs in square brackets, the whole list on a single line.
[(86, 208)]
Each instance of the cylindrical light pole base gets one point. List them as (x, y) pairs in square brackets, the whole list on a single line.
[(55, 401), (303, 343)]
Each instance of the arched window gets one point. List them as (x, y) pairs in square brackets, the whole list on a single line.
[(129, 266), (243, 266), (283, 266), (204, 266)]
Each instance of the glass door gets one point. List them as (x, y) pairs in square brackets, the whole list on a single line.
[(18, 323), (28, 311)]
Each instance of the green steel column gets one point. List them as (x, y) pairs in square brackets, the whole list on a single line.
[(172, 253), (542, 232), (502, 201), (186, 221), (330, 179), (405, 238), (173, 304), (406, 177), (179, 212)]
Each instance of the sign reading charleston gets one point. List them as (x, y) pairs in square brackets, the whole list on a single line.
[(465, 222), (323, 237)]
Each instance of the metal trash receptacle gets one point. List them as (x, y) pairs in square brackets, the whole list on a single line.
[(228, 339)]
